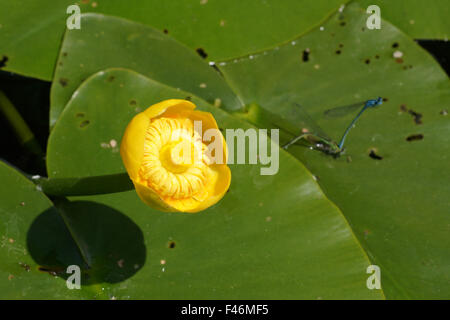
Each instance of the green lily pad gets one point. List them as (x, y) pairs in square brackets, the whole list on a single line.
[(222, 29), (135, 46), (392, 181), (270, 236)]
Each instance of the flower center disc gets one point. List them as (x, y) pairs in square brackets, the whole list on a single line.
[(178, 156)]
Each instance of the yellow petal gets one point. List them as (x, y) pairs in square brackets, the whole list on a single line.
[(132, 145), (219, 183), (151, 198), (168, 108)]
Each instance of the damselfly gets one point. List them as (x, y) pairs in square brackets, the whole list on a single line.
[(320, 141)]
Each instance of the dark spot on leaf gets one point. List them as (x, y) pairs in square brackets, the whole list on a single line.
[(110, 78), (417, 116), (363, 29), (305, 57), (377, 56), (373, 154), (342, 23), (367, 61), (64, 54), (166, 31), (414, 137), (395, 45), (201, 52), (60, 63), (80, 115), (171, 244), (443, 112), (403, 108), (399, 60), (385, 99), (340, 45), (3, 61), (213, 65), (63, 81), (84, 123), (338, 51), (188, 98), (25, 266), (349, 159), (132, 102), (221, 129)]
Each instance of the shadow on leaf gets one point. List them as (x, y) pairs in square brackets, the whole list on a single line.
[(106, 244)]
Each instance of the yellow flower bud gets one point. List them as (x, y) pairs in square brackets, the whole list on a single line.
[(171, 165)]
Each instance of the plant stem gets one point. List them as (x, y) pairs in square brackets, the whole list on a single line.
[(84, 186), (20, 127)]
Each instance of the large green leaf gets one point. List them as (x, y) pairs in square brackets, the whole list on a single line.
[(397, 206), (31, 31), (270, 237), (114, 42)]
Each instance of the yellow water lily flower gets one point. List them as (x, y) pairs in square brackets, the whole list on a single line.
[(172, 166)]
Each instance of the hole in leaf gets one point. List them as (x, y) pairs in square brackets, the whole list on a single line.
[(417, 116), (84, 123), (373, 154), (25, 266), (201, 52), (63, 81), (305, 57), (414, 137)]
